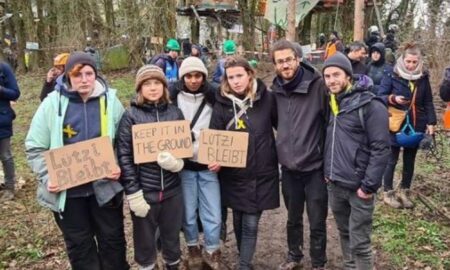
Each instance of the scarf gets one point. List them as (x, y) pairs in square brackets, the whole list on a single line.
[(401, 70), (289, 86), (242, 104)]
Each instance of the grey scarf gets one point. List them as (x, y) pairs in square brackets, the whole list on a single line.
[(401, 70)]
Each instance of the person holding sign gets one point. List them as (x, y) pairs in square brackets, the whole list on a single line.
[(90, 215), (195, 96), (245, 105), (153, 189)]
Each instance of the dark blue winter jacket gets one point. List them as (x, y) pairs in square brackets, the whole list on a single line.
[(9, 91)]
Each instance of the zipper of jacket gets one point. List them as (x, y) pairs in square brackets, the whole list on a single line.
[(160, 169), (332, 146)]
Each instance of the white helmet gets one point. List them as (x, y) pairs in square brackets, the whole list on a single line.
[(393, 27), (373, 29)]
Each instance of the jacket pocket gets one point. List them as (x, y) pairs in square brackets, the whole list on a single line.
[(361, 161)]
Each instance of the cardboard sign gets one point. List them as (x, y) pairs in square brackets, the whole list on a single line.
[(80, 163), (172, 136), (228, 148)]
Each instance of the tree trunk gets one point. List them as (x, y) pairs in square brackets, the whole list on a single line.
[(358, 30), (290, 33), (248, 8)]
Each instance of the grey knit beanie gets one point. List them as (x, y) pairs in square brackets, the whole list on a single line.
[(148, 72), (192, 64), (82, 58), (339, 60)]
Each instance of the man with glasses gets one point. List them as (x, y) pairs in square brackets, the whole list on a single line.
[(302, 103)]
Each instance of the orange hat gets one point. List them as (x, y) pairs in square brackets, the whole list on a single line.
[(61, 59)]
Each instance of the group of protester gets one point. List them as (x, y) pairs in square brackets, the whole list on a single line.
[(333, 142)]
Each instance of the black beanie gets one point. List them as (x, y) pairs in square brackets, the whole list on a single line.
[(339, 60), (79, 58)]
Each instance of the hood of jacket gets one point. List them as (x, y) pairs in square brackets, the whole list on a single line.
[(379, 47)]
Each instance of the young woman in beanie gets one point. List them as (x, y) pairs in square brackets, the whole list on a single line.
[(90, 216), (407, 88), (245, 105), (195, 96), (153, 189)]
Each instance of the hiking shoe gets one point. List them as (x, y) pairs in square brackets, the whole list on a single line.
[(6, 195), (390, 199), (213, 260), (404, 196), (195, 259), (289, 265)]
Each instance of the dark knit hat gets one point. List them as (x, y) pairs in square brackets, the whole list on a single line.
[(148, 72), (192, 64), (78, 57), (339, 60)]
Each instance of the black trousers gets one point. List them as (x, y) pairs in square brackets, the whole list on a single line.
[(94, 235), (168, 216), (409, 160), (300, 188)]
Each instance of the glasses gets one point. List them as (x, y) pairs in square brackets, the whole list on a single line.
[(288, 61)]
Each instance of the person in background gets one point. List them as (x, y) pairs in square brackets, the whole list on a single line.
[(9, 93), (444, 90), (195, 97), (407, 88), (196, 51), (229, 49), (373, 36), (90, 216), (322, 42), (377, 67), (357, 55), (59, 63), (302, 106), (168, 61), (245, 105), (334, 45), (153, 189), (358, 121)]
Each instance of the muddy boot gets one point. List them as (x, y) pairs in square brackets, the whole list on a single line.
[(404, 196), (195, 259), (213, 260), (389, 199)]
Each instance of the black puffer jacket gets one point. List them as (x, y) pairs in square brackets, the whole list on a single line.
[(357, 150), (255, 187), (156, 183)]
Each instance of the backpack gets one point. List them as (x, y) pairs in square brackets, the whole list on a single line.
[(154, 59)]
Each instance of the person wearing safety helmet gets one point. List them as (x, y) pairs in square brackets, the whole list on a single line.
[(229, 49), (59, 63), (168, 61), (373, 36)]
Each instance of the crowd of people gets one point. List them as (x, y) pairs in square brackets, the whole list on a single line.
[(336, 144)]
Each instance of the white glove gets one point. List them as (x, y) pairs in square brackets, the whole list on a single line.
[(168, 162), (138, 204)]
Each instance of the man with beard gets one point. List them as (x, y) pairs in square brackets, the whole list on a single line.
[(357, 149), (302, 103)]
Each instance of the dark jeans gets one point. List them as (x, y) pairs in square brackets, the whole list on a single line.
[(167, 216), (246, 232), (353, 217), (310, 188), (409, 159), (8, 163), (94, 235)]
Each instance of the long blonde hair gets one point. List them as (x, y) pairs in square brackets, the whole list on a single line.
[(237, 61)]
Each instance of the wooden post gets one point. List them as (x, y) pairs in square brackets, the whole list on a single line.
[(290, 34), (358, 30)]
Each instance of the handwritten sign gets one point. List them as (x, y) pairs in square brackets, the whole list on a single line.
[(80, 163), (171, 136), (228, 148)]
